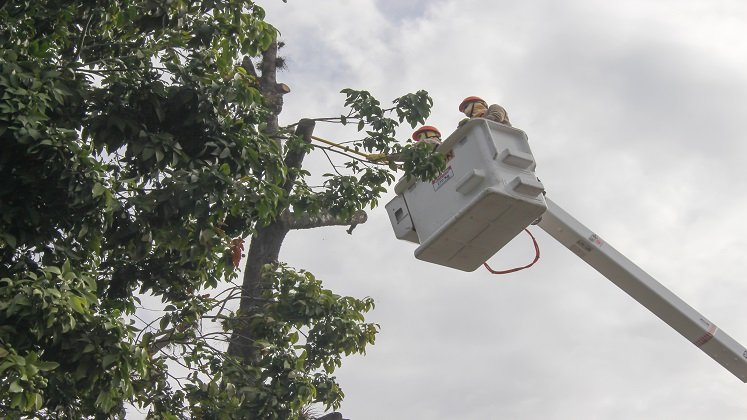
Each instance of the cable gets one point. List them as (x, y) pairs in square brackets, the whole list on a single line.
[(513, 270)]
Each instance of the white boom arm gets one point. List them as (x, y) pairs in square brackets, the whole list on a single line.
[(645, 289)]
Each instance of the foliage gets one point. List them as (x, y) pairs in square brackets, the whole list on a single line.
[(346, 194), (132, 153), (66, 335), (305, 330)]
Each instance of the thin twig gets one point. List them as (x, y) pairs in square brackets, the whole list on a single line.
[(334, 167)]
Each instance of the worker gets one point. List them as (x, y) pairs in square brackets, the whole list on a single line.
[(427, 134), (476, 107)]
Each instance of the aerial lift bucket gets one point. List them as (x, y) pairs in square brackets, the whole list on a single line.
[(487, 195)]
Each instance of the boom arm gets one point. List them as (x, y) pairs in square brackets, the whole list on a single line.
[(645, 289)]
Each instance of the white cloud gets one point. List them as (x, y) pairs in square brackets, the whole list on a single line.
[(634, 111)]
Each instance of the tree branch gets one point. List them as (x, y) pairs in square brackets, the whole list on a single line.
[(307, 221), (168, 337), (294, 158), (282, 88), (271, 90), (247, 64)]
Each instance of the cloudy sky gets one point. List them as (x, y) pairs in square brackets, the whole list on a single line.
[(636, 115)]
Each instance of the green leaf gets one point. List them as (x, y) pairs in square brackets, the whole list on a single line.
[(47, 366), (164, 321), (17, 400), (78, 304), (8, 239), (98, 190), (15, 387), (107, 360), (52, 269), (104, 401), (301, 361), (148, 153), (83, 231)]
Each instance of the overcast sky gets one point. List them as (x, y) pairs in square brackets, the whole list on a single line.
[(636, 115)]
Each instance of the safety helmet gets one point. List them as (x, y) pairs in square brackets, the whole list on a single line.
[(423, 129), (467, 101)]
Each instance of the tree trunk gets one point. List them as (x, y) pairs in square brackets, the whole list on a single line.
[(265, 244), (264, 248)]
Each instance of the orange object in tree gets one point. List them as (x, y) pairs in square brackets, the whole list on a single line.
[(237, 245)]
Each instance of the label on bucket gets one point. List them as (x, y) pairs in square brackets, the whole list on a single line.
[(443, 178)]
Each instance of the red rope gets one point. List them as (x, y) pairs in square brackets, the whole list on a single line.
[(513, 270)]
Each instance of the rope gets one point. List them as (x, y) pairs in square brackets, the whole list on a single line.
[(513, 270), (375, 157)]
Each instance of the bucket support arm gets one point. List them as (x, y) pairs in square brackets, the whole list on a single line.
[(645, 289)]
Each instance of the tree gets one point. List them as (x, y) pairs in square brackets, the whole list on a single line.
[(139, 147)]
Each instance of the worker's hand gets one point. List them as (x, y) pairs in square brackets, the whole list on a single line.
[(462, 122)]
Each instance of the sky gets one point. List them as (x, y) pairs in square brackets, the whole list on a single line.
[(634, 111)]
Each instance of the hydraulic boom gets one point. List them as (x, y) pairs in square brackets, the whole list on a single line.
[(645, 289)]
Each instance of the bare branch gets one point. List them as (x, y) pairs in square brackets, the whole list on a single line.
[(294, 158), (334, 167), (167, 338), (306, 221), (271, 90)]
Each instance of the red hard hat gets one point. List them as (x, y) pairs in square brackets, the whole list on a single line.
[(467, 100), (424, 128)]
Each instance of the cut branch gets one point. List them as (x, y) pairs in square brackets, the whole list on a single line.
[(294, 158), (306, 221), (268, 86)]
